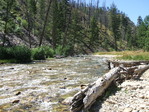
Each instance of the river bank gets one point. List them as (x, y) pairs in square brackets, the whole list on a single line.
[(131, 96)]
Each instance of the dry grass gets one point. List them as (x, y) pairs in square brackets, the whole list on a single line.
[(128, 55)]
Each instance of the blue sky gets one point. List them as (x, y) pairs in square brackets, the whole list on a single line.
[(132, 8)]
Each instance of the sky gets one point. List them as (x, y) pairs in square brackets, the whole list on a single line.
[(132, 8)]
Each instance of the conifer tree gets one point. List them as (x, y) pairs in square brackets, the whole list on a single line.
[(115, 22)]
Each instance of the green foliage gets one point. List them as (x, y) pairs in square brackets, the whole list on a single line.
[(94, 31), (115, 23), (135, 57), (20, 54), (3, 53), (70, 26), (63, 51), (49, 52), (143, 34), (38, 54), (6, 53), (41, 53)]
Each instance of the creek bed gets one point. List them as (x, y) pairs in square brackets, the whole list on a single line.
[(42, 86)]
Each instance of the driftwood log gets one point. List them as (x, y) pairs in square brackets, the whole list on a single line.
[(120, 71), (118, 63), (85, 98)]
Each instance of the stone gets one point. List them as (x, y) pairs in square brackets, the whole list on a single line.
[(65, 78), (67, 101), (18, 93), (111, 101), (83, 86), (142, 106), (128, 110), (49, 68), (16, 101)]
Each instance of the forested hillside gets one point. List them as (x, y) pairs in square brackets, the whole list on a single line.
[(68, 24)]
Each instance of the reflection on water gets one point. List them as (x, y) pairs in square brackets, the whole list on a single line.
[(41, 87)]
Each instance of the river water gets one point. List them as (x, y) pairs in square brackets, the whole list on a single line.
[(42, 86)]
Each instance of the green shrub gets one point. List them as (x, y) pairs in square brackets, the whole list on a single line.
[(6, 53), (3, 52), (49, 52), (64, 51), (22, 54), (38, 54), (59, 50)]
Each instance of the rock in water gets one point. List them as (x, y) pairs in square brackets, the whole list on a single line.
[(16, 101), (67, 101), (128, 110), (18, 93)]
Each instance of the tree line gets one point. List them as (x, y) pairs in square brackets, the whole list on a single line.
[(73, 24)]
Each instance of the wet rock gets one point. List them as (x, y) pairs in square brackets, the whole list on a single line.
[(111, 101), (140, 87), (49, 68), (65, 78), (18, 93), (67, 101), (16, 101), (62, 87), (142, 106), (26, 107), (83, 86), (1, 63)]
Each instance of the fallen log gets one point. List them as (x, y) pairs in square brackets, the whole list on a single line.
[(122, 63), (85, 98), (138, 72), (100, 86)]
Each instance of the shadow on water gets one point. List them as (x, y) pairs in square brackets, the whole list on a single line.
[(109, 92)]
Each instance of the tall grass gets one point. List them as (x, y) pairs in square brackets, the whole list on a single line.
[(136, 56), (128, 55)]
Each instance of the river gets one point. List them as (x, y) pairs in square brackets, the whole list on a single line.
[(42, 86)]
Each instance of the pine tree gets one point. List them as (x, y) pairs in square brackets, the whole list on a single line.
[(115, 22), (7, 18), (55, 22), (140, 20), (94, 31)]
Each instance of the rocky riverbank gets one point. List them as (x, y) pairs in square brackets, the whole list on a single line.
[(132, 96)]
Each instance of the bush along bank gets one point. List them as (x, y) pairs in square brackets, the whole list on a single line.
[(17, 54), (23, 54)]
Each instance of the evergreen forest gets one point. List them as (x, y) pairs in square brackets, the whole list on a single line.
[(67, 27)]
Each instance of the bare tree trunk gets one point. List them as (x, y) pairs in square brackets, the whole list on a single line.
[(45, 22)]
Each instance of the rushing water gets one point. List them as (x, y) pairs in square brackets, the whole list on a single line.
[(42, 86)]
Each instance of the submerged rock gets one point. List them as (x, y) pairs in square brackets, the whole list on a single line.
[(67, 101), (16, 101), (18, 93)]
